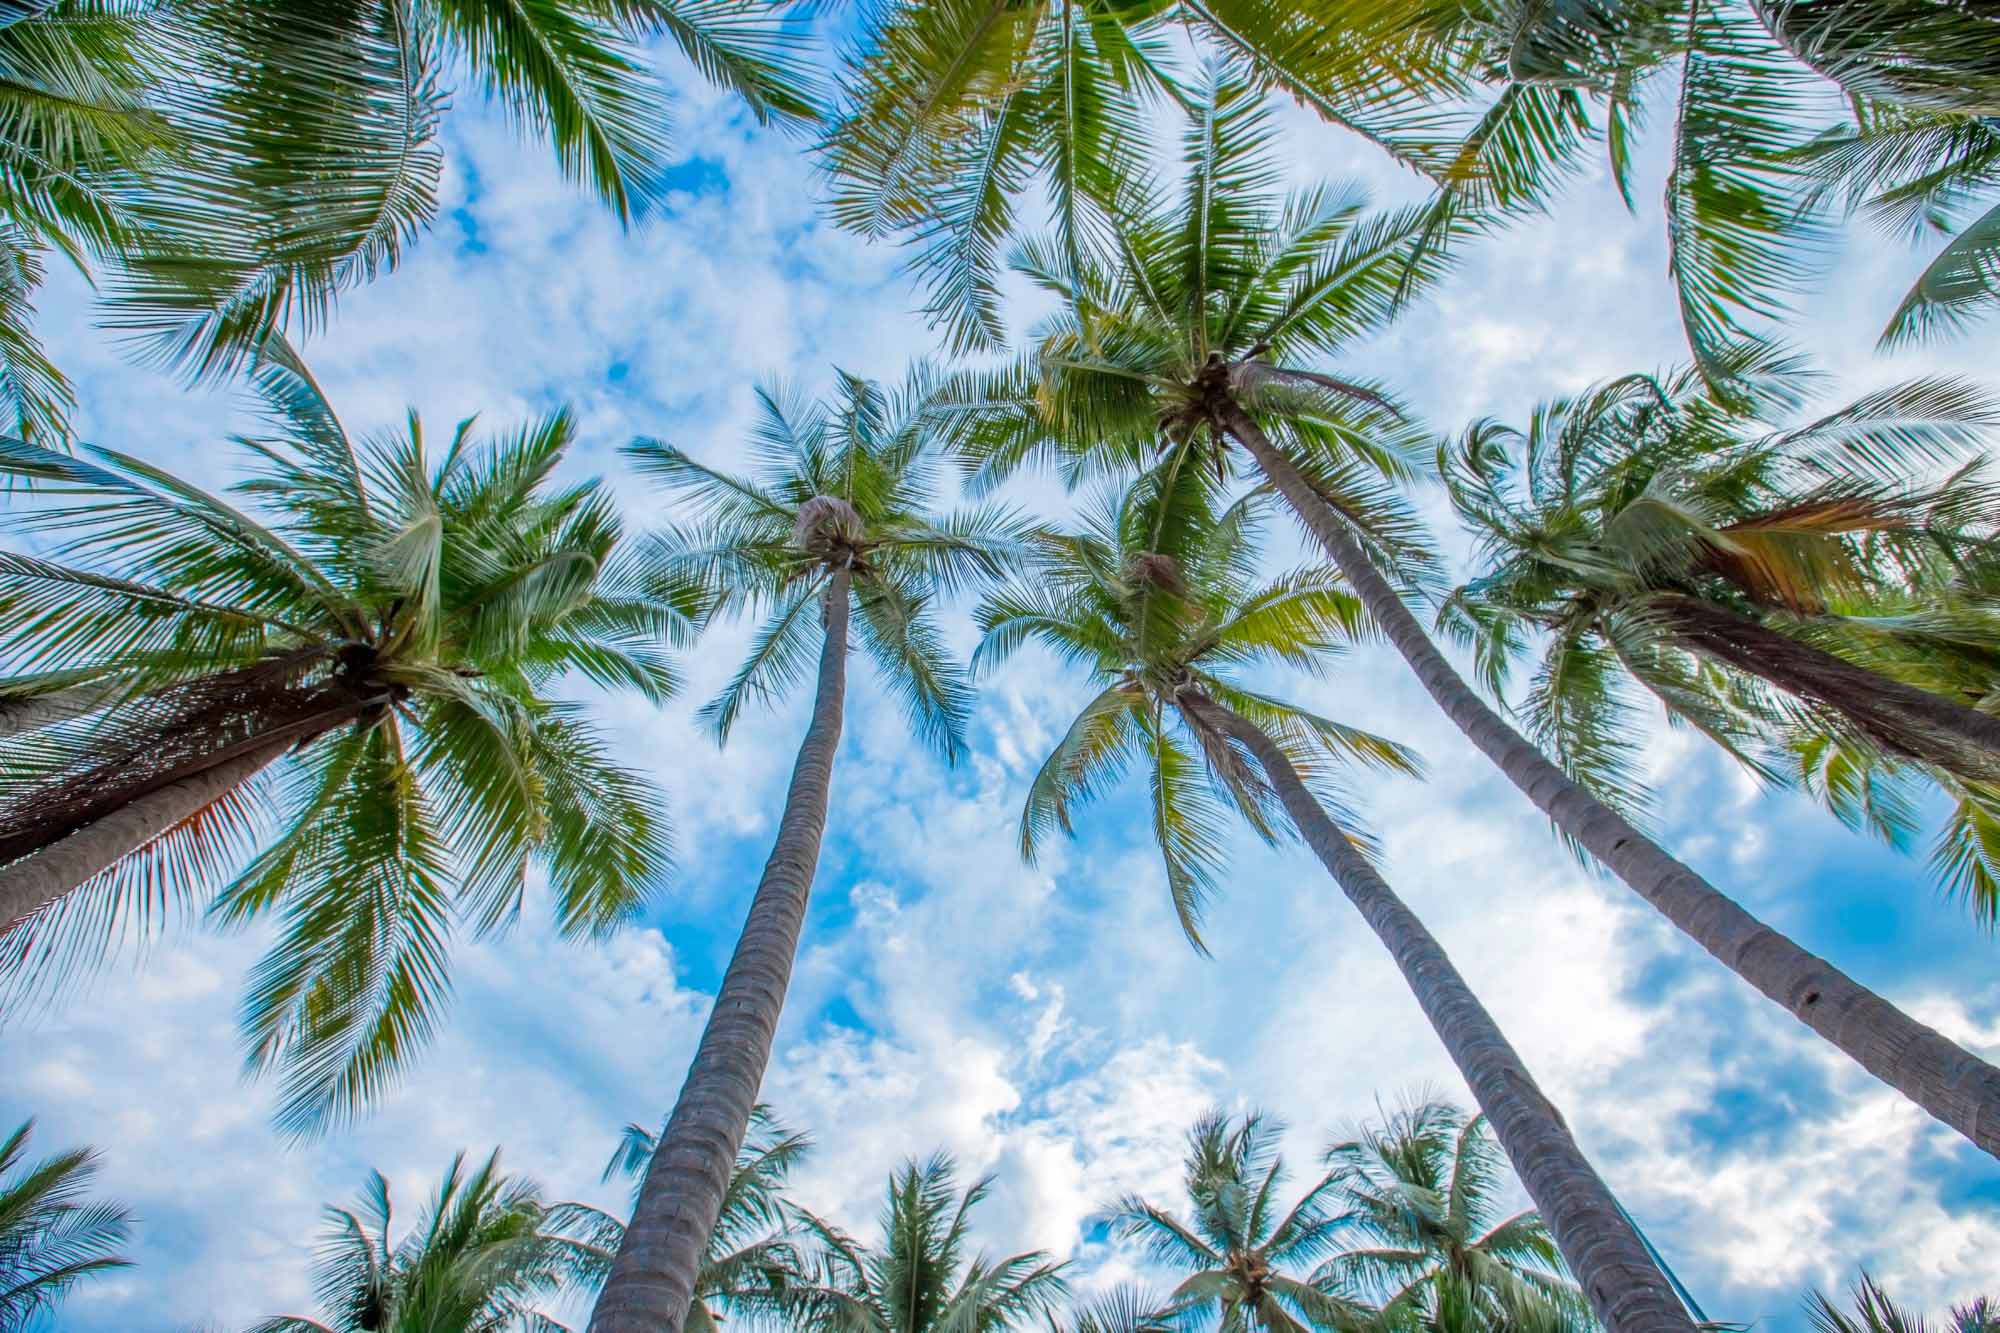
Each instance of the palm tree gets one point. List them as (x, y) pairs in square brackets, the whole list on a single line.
[(1158, 600), (1918, 52), (1419, 1193), (311, 138), (950, 110), (836, 521), (387, 617), (50, 1237), (1874, 1312), (1751, 578), (1234, 1245), (751, 1259), (1195, 340), (487, 1251), (921, 1279), (1121, 1309)]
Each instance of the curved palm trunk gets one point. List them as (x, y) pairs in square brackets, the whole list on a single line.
[(652, 1279), (36, 880), (1900, 717), (1941, 1076), (35, 711), (1625, 1287)]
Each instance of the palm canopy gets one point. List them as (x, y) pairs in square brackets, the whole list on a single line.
[(394, 612), (1247, 1253), (313, 151), (51, 1236), (1874, 1312), (75, 78), (924, 1276), (485, 1254), (752, 1257), (1158, 597), (1423, 1238), (1617, 514), (1221, 292), (842, 489), (951, 109)]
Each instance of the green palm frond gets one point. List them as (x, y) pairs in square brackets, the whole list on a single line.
[(52, 1237)]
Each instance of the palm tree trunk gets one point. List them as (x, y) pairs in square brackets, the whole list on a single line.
[(1935, 1072), (36, 880), (1626, 1288), (652, 1279), (1899, 717), (32, 712)]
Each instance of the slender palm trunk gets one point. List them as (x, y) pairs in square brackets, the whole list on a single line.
[(1625, 1287), (36, 880), (1941, 1076), (1900, 717), (35, 711), (652, 1279)]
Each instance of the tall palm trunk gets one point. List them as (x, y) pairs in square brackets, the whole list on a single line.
[(1900, 717), (1625, 1287), (34, 881), (32, 712), (1941, 1076), (652, 1279)]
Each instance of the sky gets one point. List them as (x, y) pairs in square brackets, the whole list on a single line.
[(1046, 1024)]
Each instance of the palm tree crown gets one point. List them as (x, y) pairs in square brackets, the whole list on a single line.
[(1246, 1253), (487, 1251), (1158, 596), (1619, 524), (923, 1278), (842, 487), (1423, 1238), (394, 618), (51, 1238)]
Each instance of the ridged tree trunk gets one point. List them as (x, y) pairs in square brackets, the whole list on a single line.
[(652, 1279), (1941, 1076), (35, 711), (1626, 1289), (1902, 718), (36, 880)]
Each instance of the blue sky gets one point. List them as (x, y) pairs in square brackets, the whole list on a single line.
[(1047, 1024)]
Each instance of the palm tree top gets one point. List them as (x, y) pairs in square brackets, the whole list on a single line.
[(1159, 597), (51, 1235), (844, 489)]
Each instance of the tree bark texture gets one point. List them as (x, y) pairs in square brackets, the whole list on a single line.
[(1941, 1076), (1625, 1287), (36, 880), (652, 1278)]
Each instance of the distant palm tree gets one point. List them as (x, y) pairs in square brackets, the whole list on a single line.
[(1246, 1263), (312, 151), (390, 618), (486, 1253), (921, 1279), (1423, 1238), (1759, 581), (1198, 341), (1874, 1312), (837, 521), (50, 1237), (752, 1257)]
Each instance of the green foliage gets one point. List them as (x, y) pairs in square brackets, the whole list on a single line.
[(51, 1236), (924, 1277), (398, 614), (486, 1254), (1874, 1312), (1245, 1252), (843, 486), (1611, 509), (1422, 1237), (1159, 599)]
